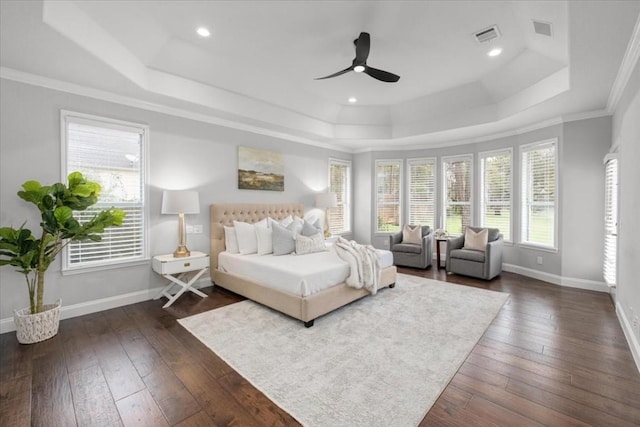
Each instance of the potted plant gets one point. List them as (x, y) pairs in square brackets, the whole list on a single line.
[(32, 256)]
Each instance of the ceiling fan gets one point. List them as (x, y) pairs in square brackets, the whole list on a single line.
[(359, 64)]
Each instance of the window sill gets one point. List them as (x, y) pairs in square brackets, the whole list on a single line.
[(94, 268), (541, 248)]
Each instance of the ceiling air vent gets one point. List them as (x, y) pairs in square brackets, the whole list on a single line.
[(542, 28), (487, 34)]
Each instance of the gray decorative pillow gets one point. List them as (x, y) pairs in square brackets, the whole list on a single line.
[(309, 229), (282, 239), (308, 245)]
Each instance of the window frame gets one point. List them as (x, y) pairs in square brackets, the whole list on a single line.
[(421, 161), (347, 201), (481, 157), (443, 160), (611, 203), (67, 117), (525, 148), (399, 162)]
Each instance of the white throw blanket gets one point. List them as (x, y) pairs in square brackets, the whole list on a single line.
[(363, 262)]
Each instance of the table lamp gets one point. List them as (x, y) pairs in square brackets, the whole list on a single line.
[(181, 202), (326, 201)]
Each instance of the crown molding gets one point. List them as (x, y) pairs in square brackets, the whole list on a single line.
[(629, 62)]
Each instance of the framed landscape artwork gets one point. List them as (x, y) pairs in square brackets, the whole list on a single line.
[(260, 169)]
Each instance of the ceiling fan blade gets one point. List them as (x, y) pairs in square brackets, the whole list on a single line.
[(346, 70), (381, 75), (363, 43)]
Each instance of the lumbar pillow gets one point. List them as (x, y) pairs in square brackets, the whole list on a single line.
[(265, 241), (476, 241), (246, 233), (310, 244), (412, 234), (231, 240)]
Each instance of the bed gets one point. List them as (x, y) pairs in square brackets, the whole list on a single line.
[(306, 306)]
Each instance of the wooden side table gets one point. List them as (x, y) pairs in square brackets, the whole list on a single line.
[(438, 241), (176, 269)]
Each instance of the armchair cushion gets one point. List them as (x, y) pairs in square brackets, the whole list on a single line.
[(412, 234), (470, 255), (476, 240), (408, 247)]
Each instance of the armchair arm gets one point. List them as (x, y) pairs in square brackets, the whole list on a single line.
[(453, 243), (493, 258), (427, 246), (393, 239)]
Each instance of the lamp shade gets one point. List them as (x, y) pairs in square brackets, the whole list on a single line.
[(326, 200), (183, 201)]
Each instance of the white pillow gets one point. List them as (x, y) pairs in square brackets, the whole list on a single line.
[(283, 222), (265, 240), (231, 240), (246, 233), (412, 234), (308, 245), (476, 241)]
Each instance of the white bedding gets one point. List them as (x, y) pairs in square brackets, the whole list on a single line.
[(301, 275)]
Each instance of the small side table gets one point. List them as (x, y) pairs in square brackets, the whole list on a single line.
[(176, 269), (438, 241)]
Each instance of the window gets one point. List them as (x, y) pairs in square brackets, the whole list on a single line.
[(340, 183), (495, 191), (422, 188), (610, 219), (388, 197), (111, 153), (457, 173), (538, 206)]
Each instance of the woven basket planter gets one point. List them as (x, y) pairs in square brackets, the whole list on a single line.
[(32, 328)]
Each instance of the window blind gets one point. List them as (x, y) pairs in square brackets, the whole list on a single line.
[(611, 221), (422, 186), (495, 191), (113, 157), (388, 189), (457, 180), (340, 183), (538, 207)]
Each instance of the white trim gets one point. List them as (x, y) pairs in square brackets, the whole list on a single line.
[(634, 343), (400, 163), (443, 183), (420, 161), (349, 190), (88, 307), (629, 61), (481, 156), (570, 282)]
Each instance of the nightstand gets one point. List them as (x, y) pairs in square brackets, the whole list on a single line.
[(176, 269)]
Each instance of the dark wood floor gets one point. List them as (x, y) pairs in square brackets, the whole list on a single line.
[(553, 356)]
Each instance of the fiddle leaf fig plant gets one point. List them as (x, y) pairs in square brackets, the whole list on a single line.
[(31, 255)]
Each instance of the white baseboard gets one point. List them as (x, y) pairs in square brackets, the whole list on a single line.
[(634, 344), (572, 282), (69, 311)]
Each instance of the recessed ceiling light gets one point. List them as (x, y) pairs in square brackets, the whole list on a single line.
[(358, 68), (353, 99), (203, 32), (495, 52)]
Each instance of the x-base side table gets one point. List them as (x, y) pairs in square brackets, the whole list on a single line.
[(176, 269)]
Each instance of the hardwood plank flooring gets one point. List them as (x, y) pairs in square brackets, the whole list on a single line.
[(553, 356)]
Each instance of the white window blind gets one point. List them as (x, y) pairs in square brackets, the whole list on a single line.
[(340, 183), (112, 155), (495, 191), (388, 195), (457, 189), (538, 206), (610, 220), (422, 188)]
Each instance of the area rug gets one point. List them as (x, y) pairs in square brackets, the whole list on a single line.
[(381, 361)]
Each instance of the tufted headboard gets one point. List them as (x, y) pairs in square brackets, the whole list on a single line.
[(225, 214)]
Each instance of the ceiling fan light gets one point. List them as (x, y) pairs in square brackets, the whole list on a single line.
[(353, 99), (203, 32), (358, 68), (495, 52)]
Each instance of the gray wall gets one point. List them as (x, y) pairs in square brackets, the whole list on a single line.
[(183, 154), (581, 147), (626, 136)]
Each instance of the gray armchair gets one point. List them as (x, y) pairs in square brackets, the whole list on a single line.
[(484, 265), (411, 254)]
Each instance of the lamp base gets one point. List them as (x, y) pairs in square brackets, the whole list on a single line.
[(181, 252), (327, 234)]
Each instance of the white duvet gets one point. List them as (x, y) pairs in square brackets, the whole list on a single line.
[(301, 275)]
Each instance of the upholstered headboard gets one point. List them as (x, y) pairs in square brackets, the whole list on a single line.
[(225, 214)]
